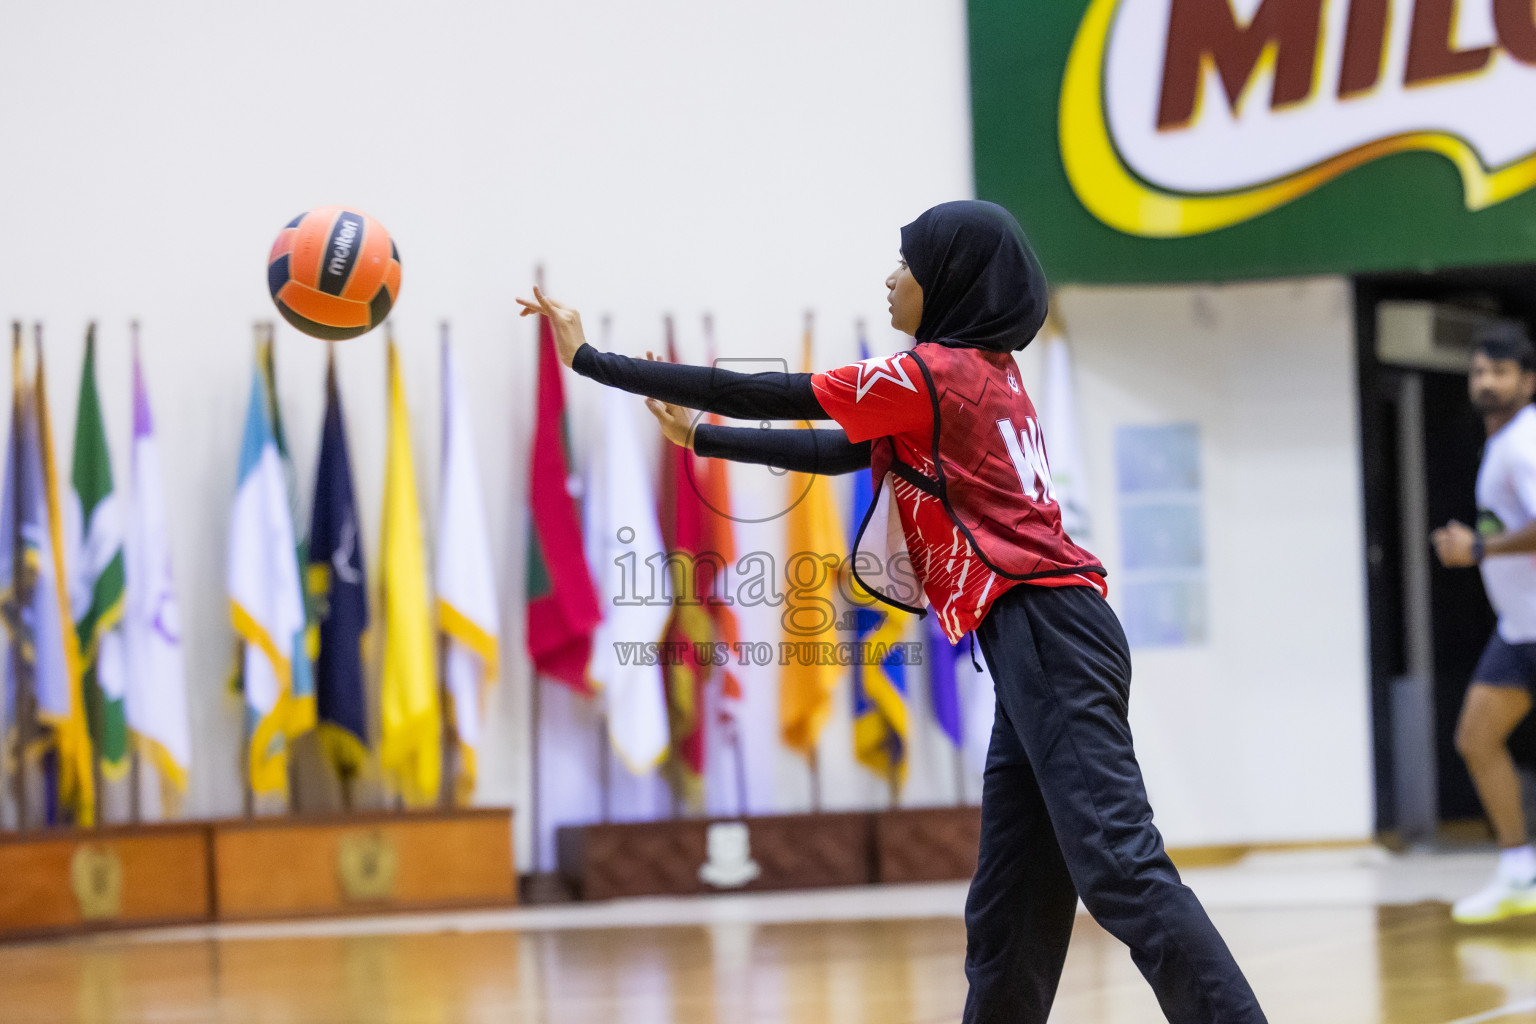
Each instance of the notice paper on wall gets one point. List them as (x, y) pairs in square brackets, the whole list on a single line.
[(1162, 537)]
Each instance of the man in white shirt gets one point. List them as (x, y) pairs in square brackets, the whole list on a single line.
[(1501, 384)]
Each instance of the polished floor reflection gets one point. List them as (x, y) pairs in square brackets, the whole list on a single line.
[(1339, 965)]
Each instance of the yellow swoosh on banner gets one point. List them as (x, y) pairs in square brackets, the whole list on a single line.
[(1114, 195)]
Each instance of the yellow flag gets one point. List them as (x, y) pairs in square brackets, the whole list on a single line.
[(56, 668), (410, 750), (814, 550)]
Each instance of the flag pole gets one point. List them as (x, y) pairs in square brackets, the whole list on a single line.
[(247, 729), (135, 766), (738, 756), (813, 761), (604, 755), (95, 725), (448, 784), (741, 772), (346, 769), (959, 760), (604, 769), (52, 786), (397, 803), (535, 719), (535, 701), (243, 756), (677, 775), (447, 789), (25, 701), (813, 756)]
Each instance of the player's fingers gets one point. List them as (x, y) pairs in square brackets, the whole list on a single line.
[(549, 302), (541, 301)]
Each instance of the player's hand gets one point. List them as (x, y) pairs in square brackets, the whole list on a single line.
[(1453, 545), (565, 321), (676, 423)]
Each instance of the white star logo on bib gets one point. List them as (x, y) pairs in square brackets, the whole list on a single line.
[(872, 371)]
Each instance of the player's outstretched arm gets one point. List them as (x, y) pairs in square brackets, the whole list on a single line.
[(742, 395), (827, 452), (824, 452)]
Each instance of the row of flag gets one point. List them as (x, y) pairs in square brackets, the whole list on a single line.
[(581, 563), (93, 666), (302, 608), (578, 618)]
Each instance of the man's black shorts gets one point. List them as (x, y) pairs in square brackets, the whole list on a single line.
[(1507, 664)]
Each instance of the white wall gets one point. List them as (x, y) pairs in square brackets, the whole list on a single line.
[(752, 160), (1262, 733)]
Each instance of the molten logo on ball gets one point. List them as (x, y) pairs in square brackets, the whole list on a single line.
[(334, 273), (347, 227)]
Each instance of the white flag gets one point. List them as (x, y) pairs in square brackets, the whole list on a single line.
[(1058, 421), (156, 701), (619, 516), (466, 585)]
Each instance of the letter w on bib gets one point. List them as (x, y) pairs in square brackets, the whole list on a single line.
[(1027, 450)]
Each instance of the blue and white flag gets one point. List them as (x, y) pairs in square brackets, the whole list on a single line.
[(266, 603)]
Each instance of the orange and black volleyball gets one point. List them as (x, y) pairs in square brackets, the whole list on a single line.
[(334, 272)]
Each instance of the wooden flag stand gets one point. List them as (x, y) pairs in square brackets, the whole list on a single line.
[(66, 880)]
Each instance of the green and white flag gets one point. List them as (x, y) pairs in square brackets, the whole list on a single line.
[(98, 589)]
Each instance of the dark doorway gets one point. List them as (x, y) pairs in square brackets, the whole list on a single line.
[(1421, 443)]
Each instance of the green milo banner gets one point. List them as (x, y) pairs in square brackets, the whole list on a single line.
[(1189, 140)]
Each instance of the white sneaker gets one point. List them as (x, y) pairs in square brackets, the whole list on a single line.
[(1502, 898)]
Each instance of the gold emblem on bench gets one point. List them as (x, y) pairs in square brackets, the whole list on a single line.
[(367, 864)]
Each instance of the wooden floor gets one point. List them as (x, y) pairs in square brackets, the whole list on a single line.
[(1405, 965)]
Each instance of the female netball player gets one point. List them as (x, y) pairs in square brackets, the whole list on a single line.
[(948, 427)]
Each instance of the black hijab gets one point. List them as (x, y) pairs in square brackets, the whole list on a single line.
[(982, 286)]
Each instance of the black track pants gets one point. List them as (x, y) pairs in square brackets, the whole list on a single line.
[(1064, 813)]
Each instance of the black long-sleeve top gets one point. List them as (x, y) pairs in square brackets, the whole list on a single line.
[(769, 395), (747, 396), (827, 452)]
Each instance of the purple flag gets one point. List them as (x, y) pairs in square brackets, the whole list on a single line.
[(943, 683)]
